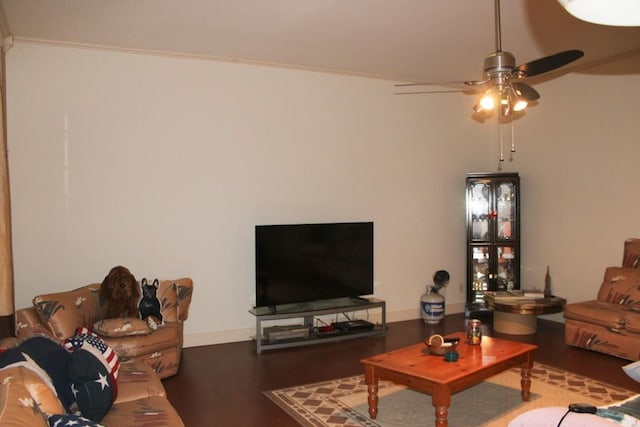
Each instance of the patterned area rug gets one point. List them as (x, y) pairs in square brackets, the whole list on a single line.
[(492, 403)]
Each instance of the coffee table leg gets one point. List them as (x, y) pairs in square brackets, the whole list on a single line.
[(525, 378), (372, 388), (441, 401)]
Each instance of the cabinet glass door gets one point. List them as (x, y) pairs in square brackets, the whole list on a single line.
[(506, 268), (480, 210), (506, 211), (481, 268)]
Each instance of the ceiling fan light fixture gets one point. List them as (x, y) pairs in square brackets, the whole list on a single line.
[(487, 101), (622, 13), (520, 104), (504, 90), (517, 100)]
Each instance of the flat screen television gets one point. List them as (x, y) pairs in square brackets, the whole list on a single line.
[(298, 263)]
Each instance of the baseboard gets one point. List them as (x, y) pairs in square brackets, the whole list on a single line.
[(245, 334)]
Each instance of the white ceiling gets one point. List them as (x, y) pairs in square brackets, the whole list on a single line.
[(400, 40)]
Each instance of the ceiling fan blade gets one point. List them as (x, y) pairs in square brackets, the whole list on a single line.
[(548, 63), (476, 82), (455, 86), (456, 83), (527, 91), (428, 91)]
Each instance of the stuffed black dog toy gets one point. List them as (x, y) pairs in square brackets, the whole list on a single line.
[(149, 304)]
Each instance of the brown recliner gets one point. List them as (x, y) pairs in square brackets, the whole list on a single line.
[(59, 315), (610, 323)]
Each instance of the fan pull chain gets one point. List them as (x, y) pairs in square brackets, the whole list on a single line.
[(513, 142), (500, 139), (499, 130)]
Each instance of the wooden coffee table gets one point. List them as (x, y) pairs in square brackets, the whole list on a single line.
[(415, 368)]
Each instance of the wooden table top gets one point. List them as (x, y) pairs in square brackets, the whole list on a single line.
[(416, 360), (547, 305)]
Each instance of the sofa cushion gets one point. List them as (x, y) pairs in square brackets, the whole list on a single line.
[(63, 312), (607, 315), (29, 323), (621, 286), (50, 356), (40, 391), (150, 411), (122, 327), (17, 407), (45, 357), (48, 401), (137, 380), (166, 336)]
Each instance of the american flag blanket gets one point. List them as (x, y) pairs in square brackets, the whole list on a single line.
[(85, 338)]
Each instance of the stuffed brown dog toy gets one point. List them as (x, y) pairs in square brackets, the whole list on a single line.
[(121, 293)]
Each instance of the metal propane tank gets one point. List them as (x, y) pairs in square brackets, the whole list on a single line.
[(432, 303)]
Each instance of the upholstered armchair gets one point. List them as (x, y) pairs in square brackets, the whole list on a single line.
[(610, 323), (59, 315)]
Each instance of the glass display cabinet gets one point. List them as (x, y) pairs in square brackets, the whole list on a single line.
[(493, 236)]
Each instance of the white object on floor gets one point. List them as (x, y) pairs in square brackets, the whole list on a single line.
[(633, 370), (549, 417)]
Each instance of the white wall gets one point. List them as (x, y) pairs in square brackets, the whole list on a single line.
[(165, 165)]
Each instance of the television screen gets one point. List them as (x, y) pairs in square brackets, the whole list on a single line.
[(307, 262)]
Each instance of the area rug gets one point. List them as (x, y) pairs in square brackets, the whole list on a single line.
[(492, 403)]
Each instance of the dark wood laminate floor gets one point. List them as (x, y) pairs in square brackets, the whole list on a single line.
[(222, 385)]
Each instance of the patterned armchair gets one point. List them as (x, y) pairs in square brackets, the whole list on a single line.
[(59, 314), (611, 322)]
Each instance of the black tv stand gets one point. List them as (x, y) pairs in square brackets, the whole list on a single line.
[(306, 333)]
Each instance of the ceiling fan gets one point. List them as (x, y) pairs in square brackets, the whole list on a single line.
[(504, 87)]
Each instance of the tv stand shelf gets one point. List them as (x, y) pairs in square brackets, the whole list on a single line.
[(307, 334)]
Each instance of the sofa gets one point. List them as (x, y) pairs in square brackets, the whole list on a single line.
[(29, 395), (58, 315), (610, 323)]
